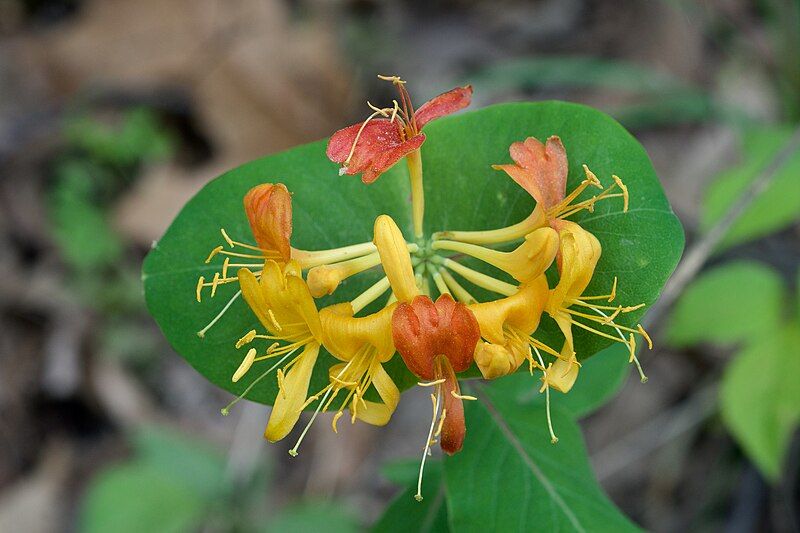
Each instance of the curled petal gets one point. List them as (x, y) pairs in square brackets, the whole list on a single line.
[(522, 311), (444, 104), (378, 146), (495, 360), (423, 330), (540, 169), (562, 375), (269, 210), (577, 258), (291, 398)]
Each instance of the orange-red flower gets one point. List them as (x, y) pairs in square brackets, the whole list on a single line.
[(370, 148), (436, 340)]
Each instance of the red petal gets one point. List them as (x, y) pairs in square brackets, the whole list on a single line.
[(423, 330), (269, 209), (444, 104), (378, 148), (540, 169), (454, 428)]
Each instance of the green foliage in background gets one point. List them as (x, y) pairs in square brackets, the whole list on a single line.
[(176, 483), (773, 209), (745, 304)]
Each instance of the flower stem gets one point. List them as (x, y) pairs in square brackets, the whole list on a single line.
[(414, 162)]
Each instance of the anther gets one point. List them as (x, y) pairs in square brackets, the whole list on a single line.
[(247, 338), (247, 362), (214, 252), (461, 396), (624, 188), (274, 320), (225, 236), (199, 288)]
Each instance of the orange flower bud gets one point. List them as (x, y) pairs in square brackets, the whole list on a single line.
[(269, 210)]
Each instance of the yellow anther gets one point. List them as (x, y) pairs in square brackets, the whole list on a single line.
[(624, 188), (247, 362), (461, 396), (336, 418), (591, 178), (247, 338), (225, 236), (394, 79), (214, 284), (632, 348), (272, 347), (441, 422), (200, 285), (431, 383), (613, 290), (225, 265), (214, 252), (645, 335)]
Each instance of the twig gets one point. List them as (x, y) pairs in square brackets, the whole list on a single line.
[(701, 251)]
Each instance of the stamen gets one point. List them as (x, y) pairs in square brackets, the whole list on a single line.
[(358, 136), (631, 342), (227, 409), (245, 365), (431, 383), (293, 452), (199, 288), (624, 189), (336, 418), (645, 335), (496, 236), (214, 252), (461, 396), (436, 400), (225, 236), (202, 332), (247, 338), (553, 438)]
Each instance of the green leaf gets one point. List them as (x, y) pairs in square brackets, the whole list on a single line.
[(194, 463), (311, 516), (405, 514), (138, 497), (509, 477), (727, 305), (776, 207), (642, 246), (600, 379), (79, 226), (662, 98), (760, 398)]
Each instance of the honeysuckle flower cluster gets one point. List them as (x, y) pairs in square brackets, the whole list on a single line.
[(427, 313)]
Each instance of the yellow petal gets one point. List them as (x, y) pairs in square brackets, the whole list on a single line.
[(494, 360), (288, 406), (562, 374), (376, 413), (580, 252), (395, 258), (345, 335), (522, 310)]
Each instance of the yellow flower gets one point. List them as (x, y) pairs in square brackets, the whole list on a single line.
[(284, 306), (579, 254), (507, 325)]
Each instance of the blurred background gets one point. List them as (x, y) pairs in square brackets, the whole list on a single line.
[(113, 113)]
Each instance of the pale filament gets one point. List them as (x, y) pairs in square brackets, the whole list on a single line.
[(478, 278)]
